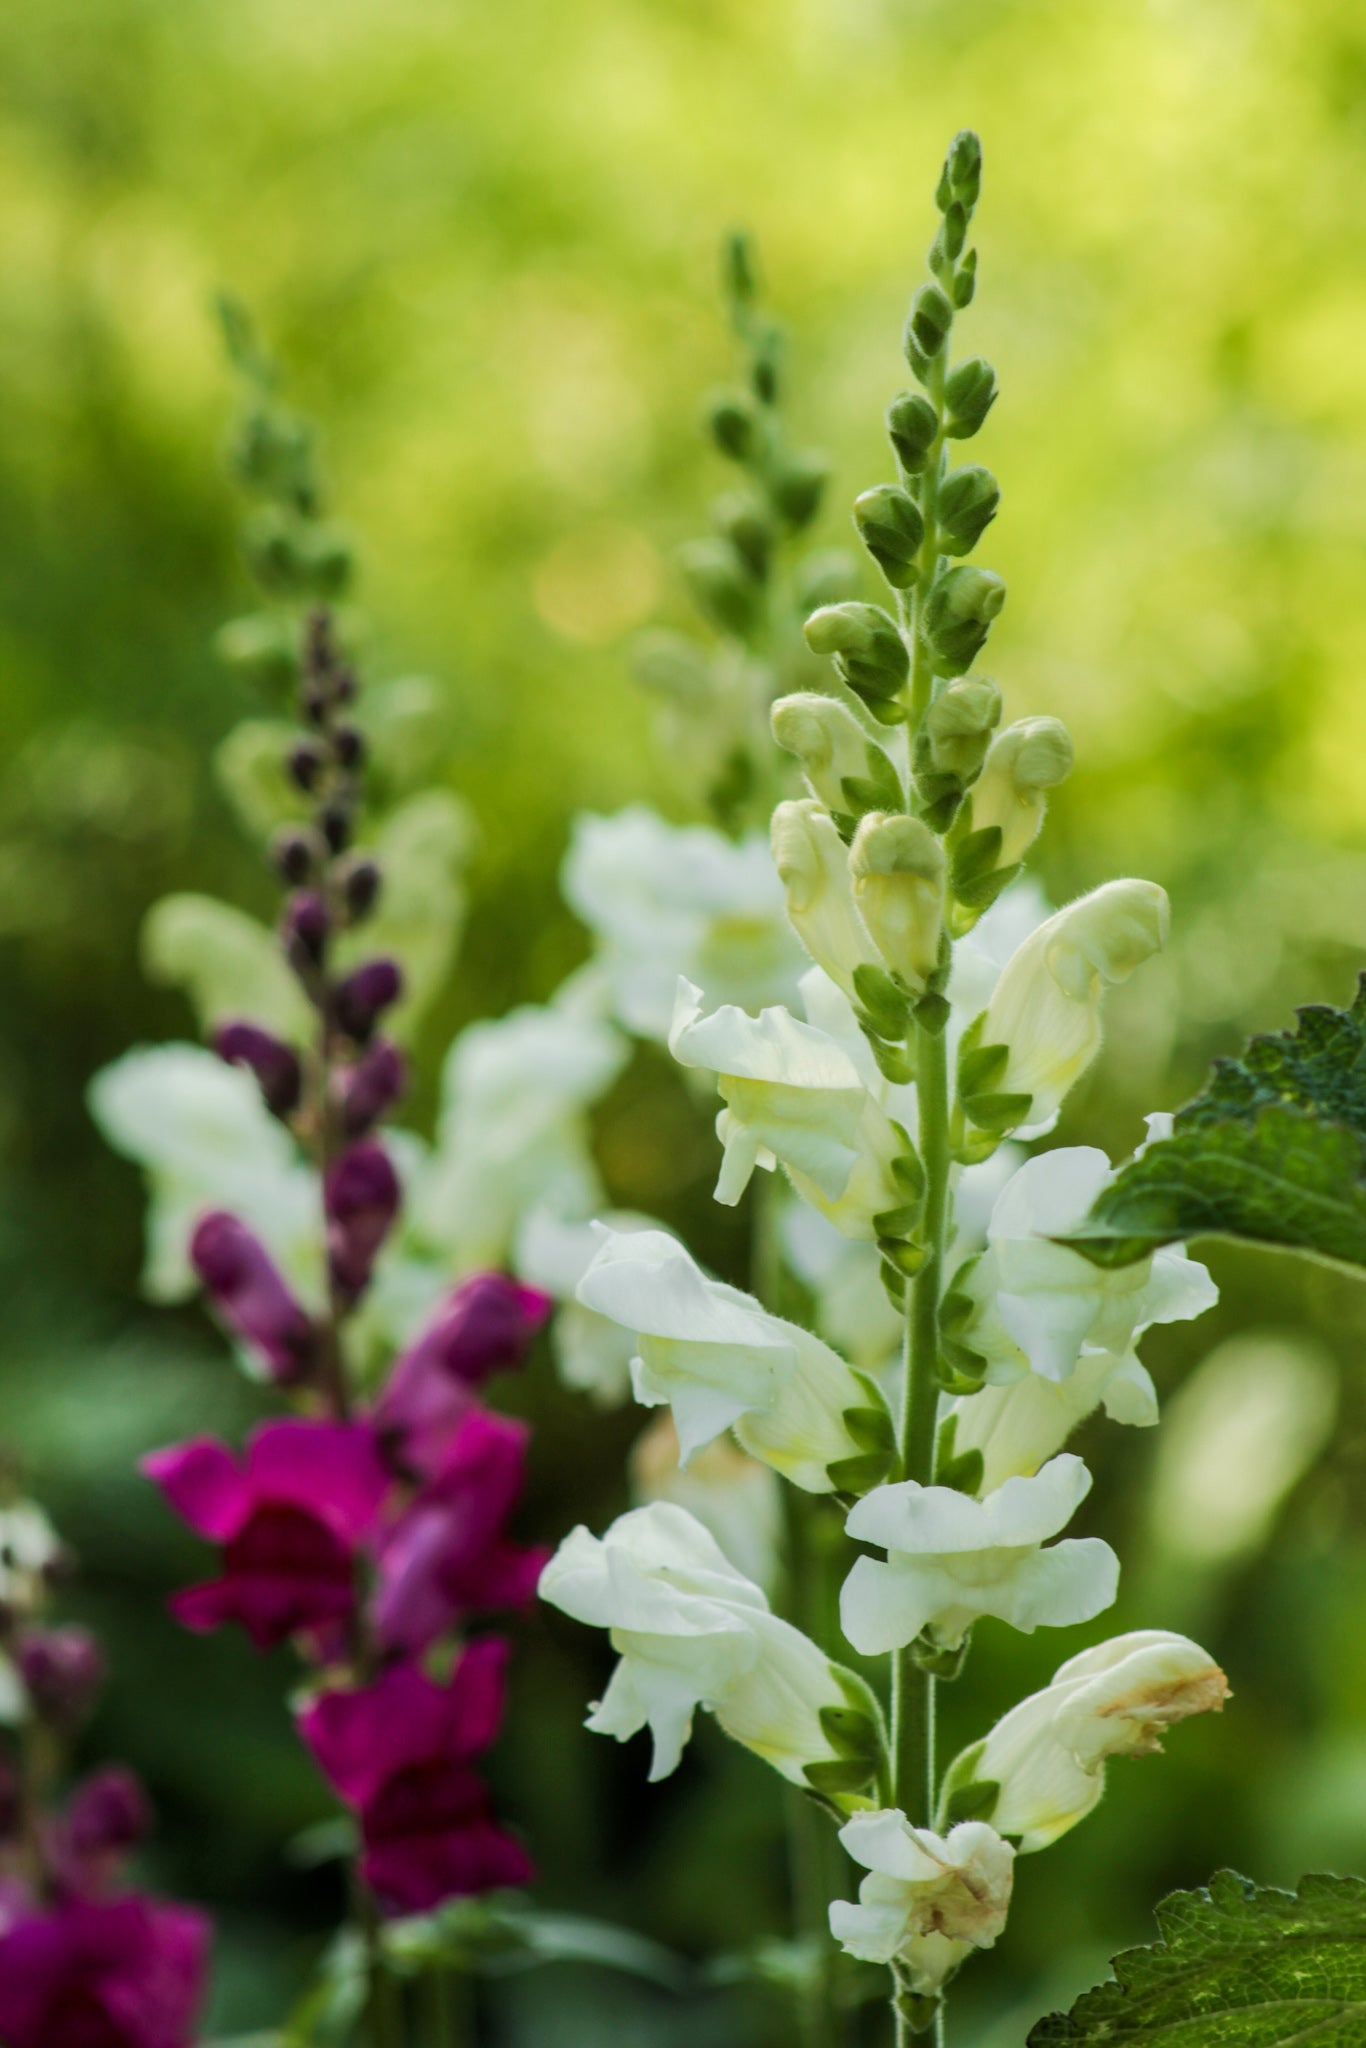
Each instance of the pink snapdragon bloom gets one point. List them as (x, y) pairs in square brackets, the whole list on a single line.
[(120, 1973), (252, 1296), (399, 1752), (447, 1554), (485, 1327), (290, 1519), (361, 1194)]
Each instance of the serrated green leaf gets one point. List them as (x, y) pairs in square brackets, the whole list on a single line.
[(1238, 1966), (1274, 1151)]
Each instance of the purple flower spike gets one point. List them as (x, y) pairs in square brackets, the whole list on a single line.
[(398, 1752), (304, 928), (252, 1296), (290, 1521), (371, 1087), (62, 1670), (359, 1001), (274, 1064), (121, 1973), (361, 1194), (485, 1327), (447, 1555), (105, 1819)]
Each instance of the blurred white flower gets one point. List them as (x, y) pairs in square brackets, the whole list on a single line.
[(734, 1497), (691, 1631), (1047, 1755), (1040, 1306), (929, 1899), (665, 899), (951, 1559), (29, 1547)]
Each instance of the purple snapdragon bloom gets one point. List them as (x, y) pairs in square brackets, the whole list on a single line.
[(361, 1194), (62, 1669), (359, 1001), (291, 1519), (485, 1327), (448, 1554), (114, 1973), (369, 1088), (399, 1753), (275, 1064), (252, 1296), (101, 1824)]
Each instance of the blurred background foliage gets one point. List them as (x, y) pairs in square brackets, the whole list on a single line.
[(482, 239)]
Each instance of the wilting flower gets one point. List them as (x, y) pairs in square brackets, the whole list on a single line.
[(448, 1554), (1042, 1307), (721, 1361), (793, 1094), (661, 899), (400, 1753), (733, 1496), (484, 1327), (1047, 1756), (1046, 1006), (1019, 1426), (951, 1559), (691, 1631), (86, 1972), (252, 1297), (290, 1519), (929, 1899)]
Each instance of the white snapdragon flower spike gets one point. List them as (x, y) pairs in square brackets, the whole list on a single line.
[(1048, 1754), (1018, 1427), (661, 898), (1041, 1306), (593, 1354), (691, 1631), (1046, 1007), (733, 1496), (201, 1132), (793, 1094), (951, 1560), (928, 1900), (721, 1361)]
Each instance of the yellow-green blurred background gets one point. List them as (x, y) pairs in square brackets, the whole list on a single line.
[(483, 240)]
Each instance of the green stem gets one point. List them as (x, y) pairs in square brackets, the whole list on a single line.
[(383, 2005)]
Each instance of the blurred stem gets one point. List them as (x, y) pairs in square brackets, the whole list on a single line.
[(450, 2005), (383, 2009)]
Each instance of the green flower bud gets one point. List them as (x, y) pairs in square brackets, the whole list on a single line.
[(930, 318), (830, 576), (738, 281), (965, 281), (966, 506), (272, 452), (961, 177), (969, 395), (295, 557), (741, 519), (733, 425), (912, 426), (898, 870), (827, 739), (869, 652), (891, 528), (799, 487), (954, 233), (958, 616), (722, 585), (1025, 762), (959, 725)]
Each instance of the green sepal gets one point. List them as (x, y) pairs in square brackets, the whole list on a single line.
[(898, 1222), (852, 1734), (893, 1282), (939, 1659), (918, 2009), (862, 794), (886, 710), (963, 1795), (974, 856), (871, 1428), (959, 1371), (932, 1012), (907, 1257), (979, 896), (837, 1775), (888, 1010), (965, 281), (939, 810), (980, 1067), (893, 1061), (909, 1173), (997, 1113), (962, 1474)]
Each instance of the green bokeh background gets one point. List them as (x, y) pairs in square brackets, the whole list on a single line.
[(483, 240)]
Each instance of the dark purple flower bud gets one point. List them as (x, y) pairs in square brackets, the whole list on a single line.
[(62, 1670), (371, 1087), (359, 1000), (349, 744), (251, 1295), (293, 854), (305, 929), (345, 688), (313, 702), (361, 1194), (305, 763), (320, 647), (274, 1064), (361, 886), (91, 1972), (485, 1327), (104, 1820), (335, 821)]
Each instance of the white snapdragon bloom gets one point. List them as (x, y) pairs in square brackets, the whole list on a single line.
[(1019, 1426), (980, 959), (1023, 764), (928, 1900), (721, 1361), (1041, 1306), (553, 1252), (661, 898), (951, 1559), (813, 866), (1048, 1754), (29, 1547), (734, 1497), (1046, 1006), (512, 1134), (692, 1631), (897, 865), (829, 742), (793, 1094), (205, 1139)]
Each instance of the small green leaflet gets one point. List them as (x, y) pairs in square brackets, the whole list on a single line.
[(1274, 1150), (1237, 1967)]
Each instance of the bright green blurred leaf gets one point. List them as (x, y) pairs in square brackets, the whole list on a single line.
[(227, 964)]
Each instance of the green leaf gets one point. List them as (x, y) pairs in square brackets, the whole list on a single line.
[(1274, 1151), (1237, 1967)]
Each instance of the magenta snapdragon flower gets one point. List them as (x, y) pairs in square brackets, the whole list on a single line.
[(290, 1520), (252, 1296), (447, 1555), (483, 1328), (113, 1973), (399, 1753)]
